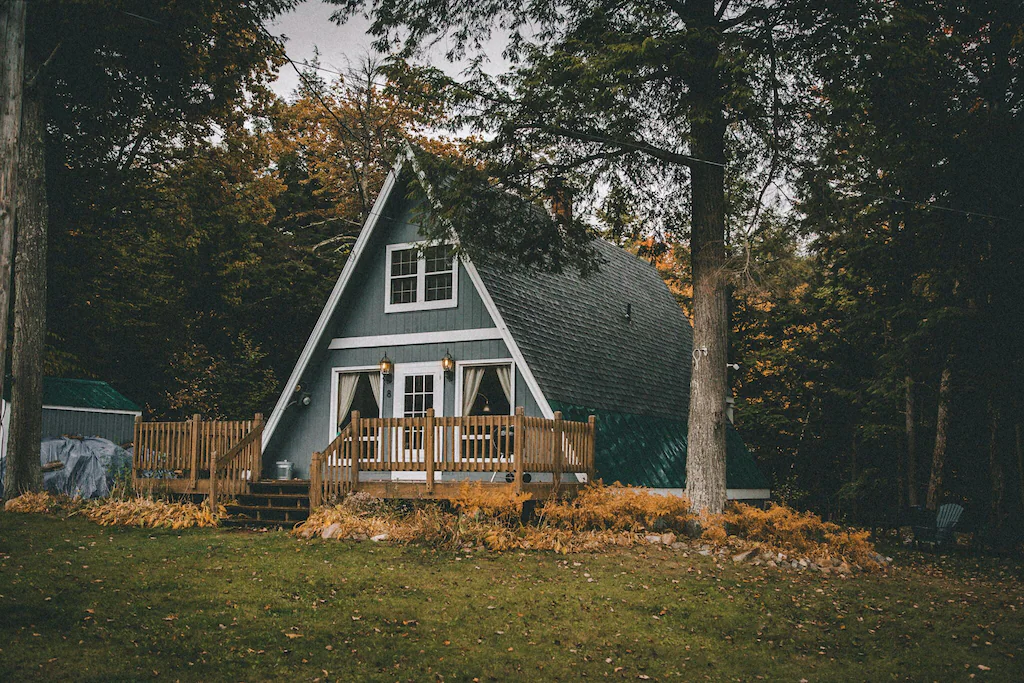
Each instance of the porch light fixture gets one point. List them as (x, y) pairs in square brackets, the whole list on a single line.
[(448, 363), (386, 366)]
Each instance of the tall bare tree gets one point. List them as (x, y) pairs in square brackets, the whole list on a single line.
[(23, 473), (12, 37)]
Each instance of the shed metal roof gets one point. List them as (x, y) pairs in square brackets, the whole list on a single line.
[(84, 393)]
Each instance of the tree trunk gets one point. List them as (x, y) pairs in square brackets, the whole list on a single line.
[(23, 472), (705, 459), (911, 462), (1018, 438), (12, 77), (941, 429), (995, 470)]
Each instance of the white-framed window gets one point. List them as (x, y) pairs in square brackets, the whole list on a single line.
[(420, 278)]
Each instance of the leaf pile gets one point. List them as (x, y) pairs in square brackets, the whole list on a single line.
[(146, 512), (783, 528), (40, 502), (618, 508), (496, 503)]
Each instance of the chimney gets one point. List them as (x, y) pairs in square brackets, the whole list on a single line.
[(560, 198)]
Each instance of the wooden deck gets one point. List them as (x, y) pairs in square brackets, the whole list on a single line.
[(437, 454), (415, 458)]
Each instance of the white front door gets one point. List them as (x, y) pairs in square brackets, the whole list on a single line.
[(418, 387)]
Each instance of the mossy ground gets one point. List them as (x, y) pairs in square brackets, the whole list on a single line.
[(84, 602)]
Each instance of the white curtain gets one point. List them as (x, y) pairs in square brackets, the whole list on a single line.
[(470, 386), (374, 378), (346, 394), (505, 378)]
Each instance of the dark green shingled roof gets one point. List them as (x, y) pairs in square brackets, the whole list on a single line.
[(576, 339), (633, 374), (83, 393), (645, 450)]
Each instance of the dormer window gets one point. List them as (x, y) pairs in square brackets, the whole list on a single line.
[(420, 278)]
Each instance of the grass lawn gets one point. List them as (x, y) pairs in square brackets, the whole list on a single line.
[(84, 602)]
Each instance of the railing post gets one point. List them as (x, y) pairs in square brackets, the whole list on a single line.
[(314, 481), (591, 440), (136, 447), (518, 449), (356, 448), (556, 474), (213, 482), (428, 449), (194, 454), (257, 451)]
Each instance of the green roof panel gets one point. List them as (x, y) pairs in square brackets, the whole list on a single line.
[(84, 393), (646, 450)]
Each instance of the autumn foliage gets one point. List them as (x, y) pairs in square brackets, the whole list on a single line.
[(617, 508), (782, 528)]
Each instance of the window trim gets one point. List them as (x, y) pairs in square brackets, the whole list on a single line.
[(460, 379), (421, 304), (332, 421)]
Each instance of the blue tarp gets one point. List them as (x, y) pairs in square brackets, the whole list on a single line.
[(91, 465)]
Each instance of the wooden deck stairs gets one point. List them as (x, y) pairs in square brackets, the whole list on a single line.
[(270, 503)]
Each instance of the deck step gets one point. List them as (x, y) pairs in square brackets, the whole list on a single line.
[(271, 502)]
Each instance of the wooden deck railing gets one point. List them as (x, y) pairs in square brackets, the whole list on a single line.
[(499, 444), (188, 456)]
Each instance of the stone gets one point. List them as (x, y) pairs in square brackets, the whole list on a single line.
[(771, 563), (668, 538), (803, 562), (653, 539), (795, 564), (704, 551), (379, 537), (359, 537), (678, 545), (330, 531), (844, 568), (742, 557)]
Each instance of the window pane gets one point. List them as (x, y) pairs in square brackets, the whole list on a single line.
[(439, 258), (439, 287), (404, 262), (403, 290)]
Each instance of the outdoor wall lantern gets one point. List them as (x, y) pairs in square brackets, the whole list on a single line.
[(386, 366), (448, 363), (305, 400)]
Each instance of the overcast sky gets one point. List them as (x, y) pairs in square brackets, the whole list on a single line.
[(309, 28)]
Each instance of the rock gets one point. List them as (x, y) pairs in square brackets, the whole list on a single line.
[(844, 568), (780, 558), (653, 539), (693, 528), (742, 557), (678, 545), (331, 530), (668, 538), (359, 537), (803, 562), (825, 571), (704, 551), (307, 532), (771, 563), (795, 564), (379, 537)]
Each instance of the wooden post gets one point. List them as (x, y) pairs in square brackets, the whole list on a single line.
[(136, 451), (520, 437), (194, 445), (356, 448), (256, 468), (314, 481), (591, 441), (213, 481), (428, 449), (558, 453)]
